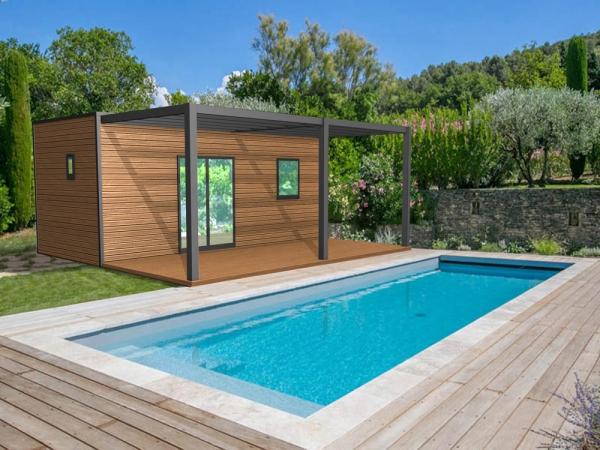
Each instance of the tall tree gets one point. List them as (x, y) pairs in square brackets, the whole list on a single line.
[(16, 158), (576, 64), (96, 72)]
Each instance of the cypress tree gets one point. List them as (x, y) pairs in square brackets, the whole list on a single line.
[(577, 78), (17, 147), (577, 64)]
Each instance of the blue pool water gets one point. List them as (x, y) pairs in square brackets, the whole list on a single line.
[(303, 349)]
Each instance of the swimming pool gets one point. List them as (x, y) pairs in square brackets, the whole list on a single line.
[(302, 349)]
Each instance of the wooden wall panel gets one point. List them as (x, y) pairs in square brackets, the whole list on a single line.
[(139, 183), (67, 210)]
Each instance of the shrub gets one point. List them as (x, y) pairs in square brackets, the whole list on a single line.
[(546, 246), (6, 217), (456, 149), (463, 247), (514, 247), (377, 194), (582, 412), (439, 244), (490, 247), (349, 232), (589, 252), (386, 235)]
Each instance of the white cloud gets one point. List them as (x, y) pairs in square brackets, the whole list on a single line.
[(223, 88), (159, 95)]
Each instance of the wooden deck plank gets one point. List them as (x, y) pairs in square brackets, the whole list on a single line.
[(45, 433), (13, 439), (156, 421)]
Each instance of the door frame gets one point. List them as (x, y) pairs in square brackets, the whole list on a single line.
[(207, 193)]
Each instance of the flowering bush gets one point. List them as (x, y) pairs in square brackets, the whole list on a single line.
[(377, 194), (583, 413)]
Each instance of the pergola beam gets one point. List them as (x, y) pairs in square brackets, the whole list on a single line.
[(324, 190), (191, 192), (406, 188)]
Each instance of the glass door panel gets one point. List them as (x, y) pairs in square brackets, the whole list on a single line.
[(220, 201), (215, 202)]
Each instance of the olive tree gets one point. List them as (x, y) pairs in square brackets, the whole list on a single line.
[(578, 126), (526, 122), (533, 122)]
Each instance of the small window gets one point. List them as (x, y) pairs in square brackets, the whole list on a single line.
[(475, 208), (70, 167), (288, 178)]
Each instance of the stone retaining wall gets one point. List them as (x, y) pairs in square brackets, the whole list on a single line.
[(571, 216)]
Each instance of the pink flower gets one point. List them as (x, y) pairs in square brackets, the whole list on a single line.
[(366, 204), (362, 184)]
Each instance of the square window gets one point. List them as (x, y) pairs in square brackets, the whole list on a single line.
[(70, 167), (288, 178)]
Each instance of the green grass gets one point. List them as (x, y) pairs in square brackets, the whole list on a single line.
[(18, 243), (68, 286)]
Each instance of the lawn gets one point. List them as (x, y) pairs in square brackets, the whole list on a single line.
[(68, 286)]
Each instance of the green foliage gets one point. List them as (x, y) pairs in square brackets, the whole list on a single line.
[(587, 252), (439, 244), (6, 213), (95, 71), (377, 194), (576, 64), (178, 98), (457, 149), (490, 247), (532, 123), (546, 246), (229, 101), (532, 67), (259, 85), (16, 157), (346, 231)]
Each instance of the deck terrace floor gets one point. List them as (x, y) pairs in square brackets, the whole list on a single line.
[(239, 262), (48, 402)]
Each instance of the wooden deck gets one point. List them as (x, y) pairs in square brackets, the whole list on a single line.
[(47, 402), (232, 263), (497, 395)]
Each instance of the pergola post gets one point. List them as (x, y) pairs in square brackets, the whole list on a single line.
[(406, 188), (191, 192), (324, 190)]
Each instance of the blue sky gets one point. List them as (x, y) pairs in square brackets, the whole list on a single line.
[(192, 45)]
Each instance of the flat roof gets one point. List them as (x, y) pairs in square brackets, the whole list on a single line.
[(243, 120)]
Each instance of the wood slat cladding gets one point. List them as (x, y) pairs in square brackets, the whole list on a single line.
[(67, 210), (139, 187)]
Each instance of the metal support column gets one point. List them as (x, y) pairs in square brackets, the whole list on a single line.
[(324, 190), (406, 188), (191, 192)]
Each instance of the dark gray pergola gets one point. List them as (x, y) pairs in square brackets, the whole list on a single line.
[(192, 117)]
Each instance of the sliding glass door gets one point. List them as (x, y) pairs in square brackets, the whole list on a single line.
[(215, 202)]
